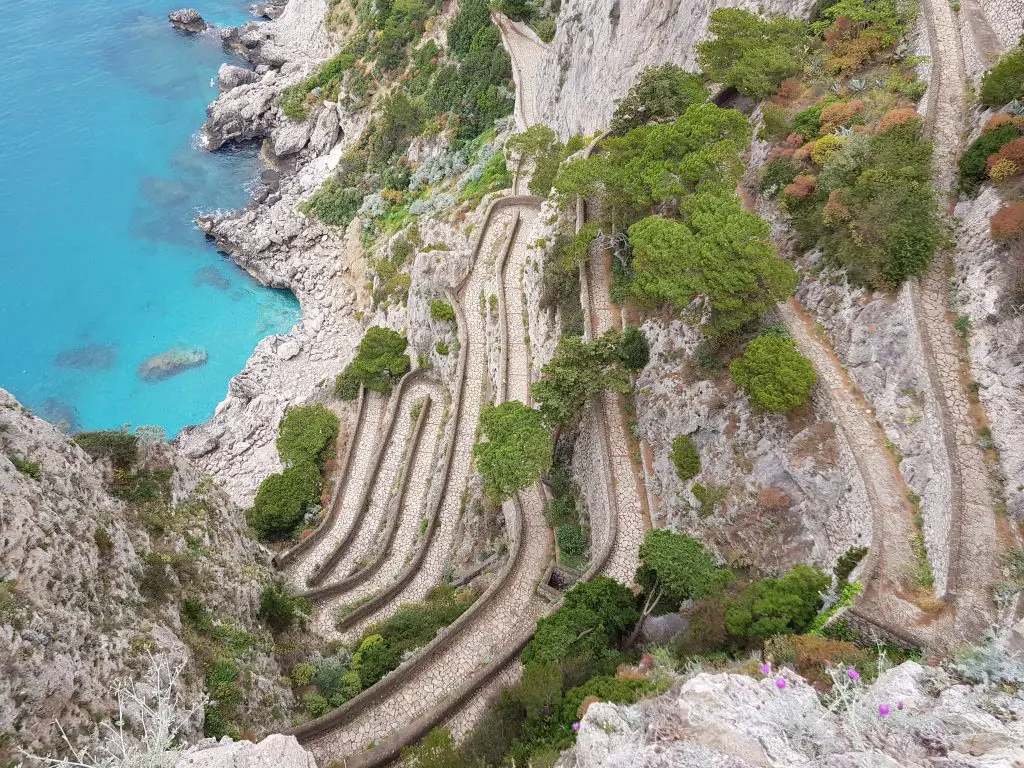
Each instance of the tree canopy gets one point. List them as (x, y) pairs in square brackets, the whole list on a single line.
[(679, 567), (307, 433), (718, 251), (774, 373), (782, 606), (517, 451), (379, 363), (751, 53), (659, 94), (282, 500)]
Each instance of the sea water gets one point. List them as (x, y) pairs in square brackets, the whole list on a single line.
[(101, 177)]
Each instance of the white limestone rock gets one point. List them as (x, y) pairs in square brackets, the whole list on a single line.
[(275, 751), (229, 76)]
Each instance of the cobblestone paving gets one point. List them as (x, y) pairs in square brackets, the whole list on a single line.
[(368, 542), (1007, 19), (298, 571), (527, 53), (973, 538), (499, 622), (986, 40)]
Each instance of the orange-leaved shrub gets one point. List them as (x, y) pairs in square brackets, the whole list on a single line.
[(1008, 161), (898, 116), (837, 115), (802, 186), (1008, 223)]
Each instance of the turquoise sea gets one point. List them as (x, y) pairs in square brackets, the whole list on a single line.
[(100, 264)]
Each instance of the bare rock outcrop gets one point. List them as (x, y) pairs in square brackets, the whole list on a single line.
[(230, 76), (87, 597), (912, 715), (188, 20), (275, 751)]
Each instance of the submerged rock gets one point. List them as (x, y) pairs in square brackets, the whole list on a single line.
[(188, 21), (211, 276), (89, 357), (171, 363)]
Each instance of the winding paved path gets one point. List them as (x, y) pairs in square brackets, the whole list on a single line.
[(526, 51)]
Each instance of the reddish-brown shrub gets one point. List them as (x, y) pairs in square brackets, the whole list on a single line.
[(788, 91), (898, 116), (996, 121), (773, 499), (1008, 223), (802, 187), (794, 141), (834, 211), (843, 28), (848, 56), (812, 655), (835, 115), (804, 153), (1013, 153)]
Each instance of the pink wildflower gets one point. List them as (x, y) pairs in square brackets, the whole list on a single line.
[(576, 727), (883, 710), (766, 669), (853, 674), (780, 683), (900, 706)]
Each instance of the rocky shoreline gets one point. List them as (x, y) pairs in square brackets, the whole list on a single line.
[(279, 246)]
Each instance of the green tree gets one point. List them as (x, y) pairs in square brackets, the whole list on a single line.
[(437, 750), (540, 146), (684, 455), (659, 94), (442, 310), (517, 452), (677, 567), (593, 617), (719, 251), (380, 362), (1005, 81), (660, 163), (891, 19), (307, 433), (774, 373), (633, 350), (578, 371), (772, 607), (282, 500), (473, 15), (750, 53)]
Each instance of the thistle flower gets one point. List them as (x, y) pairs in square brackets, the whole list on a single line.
[(853, 674), (883, 710), (766, 669), (576, 727), (780, 683), (900, 706)]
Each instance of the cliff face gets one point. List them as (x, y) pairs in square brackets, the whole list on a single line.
[(601, 46), (912, 715), (90, 586)]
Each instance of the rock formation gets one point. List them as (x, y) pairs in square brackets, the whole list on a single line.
[(86, 597), (188, 20), (912, 715), (275, 751), (171, 363)]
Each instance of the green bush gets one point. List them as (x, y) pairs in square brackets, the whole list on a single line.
[(307, 434), (316, 704), (774, 373), (121, 448), (334, 203), (437, 750), (28, 467), (196, 616), (848, 561), (572, 540), (294, 98), (380, 362), (753, 54), (973, 164), (633, 350), (281, 608), (772, 607), (777, 174), (442, 348), (678, 566), (578, 371), (684, 455), (608, 689), (592, 618), (442, 310), (545, 29), (659, 94), (1005, 81), (808, 122), (282, 500), (517, 450)]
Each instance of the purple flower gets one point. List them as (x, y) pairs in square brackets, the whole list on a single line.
[(883, 710), (780, 683), (900, 706), (853, 674), (766, 669), (576, 727)]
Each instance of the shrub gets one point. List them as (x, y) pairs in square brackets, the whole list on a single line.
[(121, 448), (1005, 81), (679, 566), (592, 618), (517, 451), (633, 350), (782, 606), (379, 363), (840, 114), (32, 469), (603, 688), (813, 656), (801, 187), (334, 203), (442, 348), (302, 673), (848, 561), (196, 616), (572, 540), (316, 704), (307, 434), (898, 116), (578, 371), (974, 163), (778, 174), (1008, 223), (1000, 169), (281, 608), (282, 500), (545, 29), (750, 53), (436, 750), (659, 94), (807, 124), (442, 310), (825, 147), (684, 455), (774, 373)]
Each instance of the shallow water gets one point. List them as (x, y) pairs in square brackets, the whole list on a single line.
[(101, 266)]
